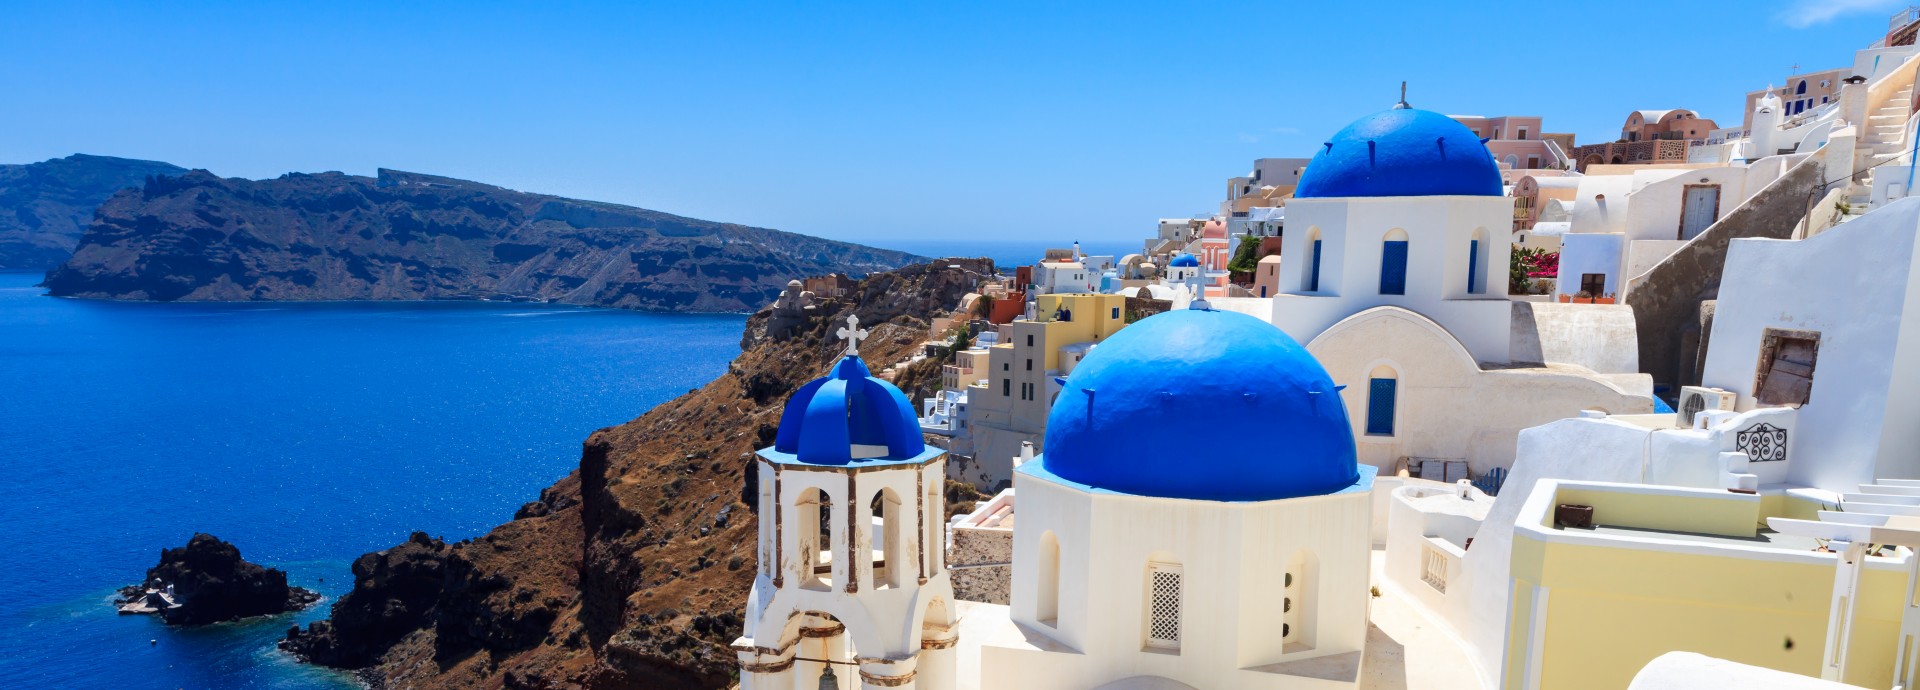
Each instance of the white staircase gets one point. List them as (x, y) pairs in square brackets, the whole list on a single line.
[(1882, 140)]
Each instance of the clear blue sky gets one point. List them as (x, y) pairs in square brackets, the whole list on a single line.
[(889, 120)]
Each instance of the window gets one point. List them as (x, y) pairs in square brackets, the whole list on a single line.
[(1313, 275), (1785, 375), (1046, 602), (1533, 161), (1006, 388), (1029, 340), (1523, 134), (1163, 606), (1801, 89), (889, 551), (1029, 364), (1300, 597), (1116, 312), (815, 533), (1382, 388), (1393, 263), (1594, 284)]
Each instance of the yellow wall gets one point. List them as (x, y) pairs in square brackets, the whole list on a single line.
[(1723, 513), (1095, 316), (1611, 610)]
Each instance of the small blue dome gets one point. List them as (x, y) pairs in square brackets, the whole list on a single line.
[(848, 416), (1185, 260), (1202, 404), (1402, 152)]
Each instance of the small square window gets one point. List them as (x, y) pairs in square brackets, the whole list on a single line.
[(1784, 375)]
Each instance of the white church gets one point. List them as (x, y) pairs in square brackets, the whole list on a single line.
[(1151, 551)]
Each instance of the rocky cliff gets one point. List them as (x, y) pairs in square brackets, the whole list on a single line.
[(407, 236), (44, 206), (631, 572)]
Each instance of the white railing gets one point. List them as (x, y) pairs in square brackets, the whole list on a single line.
[(1433, 569)]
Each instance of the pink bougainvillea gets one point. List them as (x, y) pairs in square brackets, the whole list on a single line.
[(1544, 265)]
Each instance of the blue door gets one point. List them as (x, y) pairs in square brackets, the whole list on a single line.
[(1473, 266), (1393, 268), (1313, 281), (1380, 406)]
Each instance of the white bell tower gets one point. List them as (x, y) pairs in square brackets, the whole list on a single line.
[(852, 588)]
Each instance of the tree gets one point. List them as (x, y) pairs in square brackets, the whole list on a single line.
[(1246, 257)]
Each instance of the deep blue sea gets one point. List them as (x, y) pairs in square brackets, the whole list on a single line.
[(306, 434)]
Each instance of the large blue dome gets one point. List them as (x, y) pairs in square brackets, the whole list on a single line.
[(1402, 152), (1201, 404), (846, 417)]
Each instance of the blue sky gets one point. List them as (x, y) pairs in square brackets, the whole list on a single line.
[(989, 121)]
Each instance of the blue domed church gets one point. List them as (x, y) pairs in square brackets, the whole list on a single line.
[(1198, 519), (852, 588)]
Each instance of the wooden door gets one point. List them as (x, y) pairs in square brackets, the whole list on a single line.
[(1699, 208)]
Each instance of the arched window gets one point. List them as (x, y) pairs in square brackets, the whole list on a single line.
[(1477, 257), (1383, 388), (1310, 278), (1046, 602), (1801, 89), (1393, 263), (1163, 602), (813, 513), (1300, 592), (1513, 161), (888, 547)]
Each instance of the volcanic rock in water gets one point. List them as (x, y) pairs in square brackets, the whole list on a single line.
[(206, 581)]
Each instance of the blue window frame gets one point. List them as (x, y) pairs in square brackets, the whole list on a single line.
[(1473, 266), (1380, 393), (1393, 267), (1313, 277)]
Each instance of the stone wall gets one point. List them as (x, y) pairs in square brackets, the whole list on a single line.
[(1666, 299), (980, 561)]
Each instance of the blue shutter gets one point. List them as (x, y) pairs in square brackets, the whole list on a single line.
[(1473, 266), (1393, 268), (1380, 406), (1313, 283)]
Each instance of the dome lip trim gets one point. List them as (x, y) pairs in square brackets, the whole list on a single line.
[(1037, 469)]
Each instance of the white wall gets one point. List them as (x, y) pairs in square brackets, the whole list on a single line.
[(1589, 253), (1853, 285), (1439, 230), (1654, 213), (1593, 214), (1232, 554), (1446, 407)]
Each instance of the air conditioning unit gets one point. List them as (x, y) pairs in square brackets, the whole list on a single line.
[(1695, 399)]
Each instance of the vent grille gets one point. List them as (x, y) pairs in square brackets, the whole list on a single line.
[(1163, 606)]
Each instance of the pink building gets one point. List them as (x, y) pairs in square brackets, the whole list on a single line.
[(1517, 143)]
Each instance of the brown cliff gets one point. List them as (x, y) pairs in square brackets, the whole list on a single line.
[(632, 571)]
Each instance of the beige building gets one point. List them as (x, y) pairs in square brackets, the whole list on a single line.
[(1009, 402), (1800, 93)]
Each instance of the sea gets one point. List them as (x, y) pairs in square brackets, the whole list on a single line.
[(306, 434)]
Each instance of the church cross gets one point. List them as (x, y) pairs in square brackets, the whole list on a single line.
[(853, 334)]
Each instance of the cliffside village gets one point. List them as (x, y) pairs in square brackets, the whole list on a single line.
[(1344, 433)]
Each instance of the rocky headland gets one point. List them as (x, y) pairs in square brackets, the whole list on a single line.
[(45, 206), (409, 236), (207, 581), (632, 571)]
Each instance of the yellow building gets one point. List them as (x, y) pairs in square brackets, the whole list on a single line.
[(1010, 401), (1667, 569)]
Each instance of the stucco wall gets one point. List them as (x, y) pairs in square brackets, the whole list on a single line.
[(1439, 231), (1233, 556), (1666, 299), (1582, 253), (1601, 337), (1858, 421), (1446, 407)]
